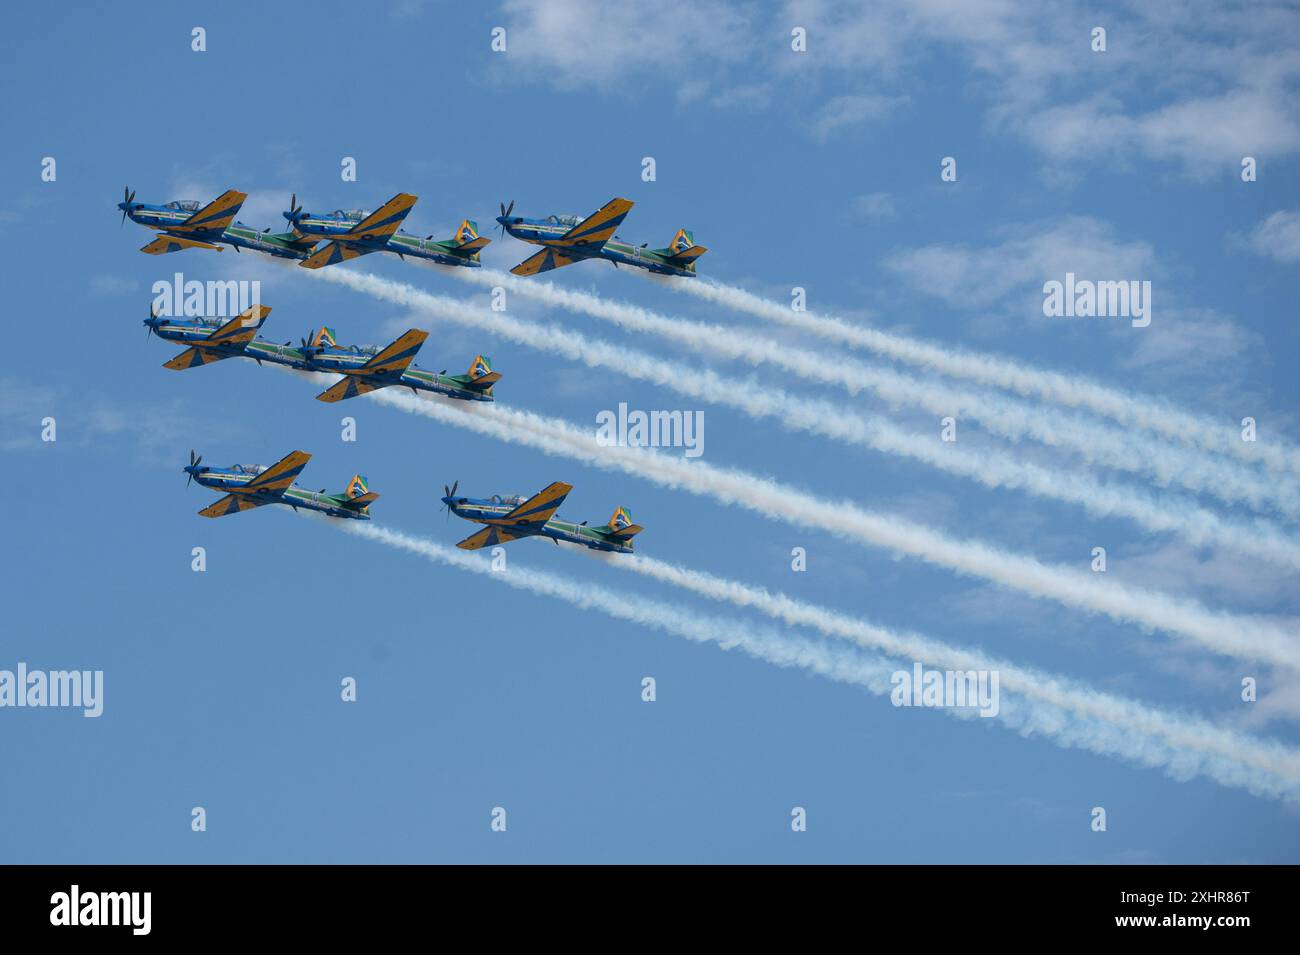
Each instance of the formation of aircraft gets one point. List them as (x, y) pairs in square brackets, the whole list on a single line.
[(252, 485), (364, 367), (317, 240), (510, 518), (328, 238), (346, 233), (569, 239)]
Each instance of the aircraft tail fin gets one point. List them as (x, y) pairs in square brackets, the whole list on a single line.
[(358, 494), (468, 241), (682, 249), (481, 375), (325, 338), (620, 525)]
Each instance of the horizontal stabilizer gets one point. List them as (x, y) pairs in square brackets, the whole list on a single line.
[(473, 245), (624, 533), (688, 255)]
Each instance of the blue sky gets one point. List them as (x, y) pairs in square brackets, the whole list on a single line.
[(818, 170)]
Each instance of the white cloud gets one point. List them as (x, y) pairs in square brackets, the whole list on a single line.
[(875, 205), (112, 285), (976, 276), (852, 110), (1194, 86), (577, 43), (1277, 237)]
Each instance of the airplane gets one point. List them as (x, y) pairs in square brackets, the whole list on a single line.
[(252, 485), (356, 232), (509, 518), (569, 239), (364, 367), (188, 224)]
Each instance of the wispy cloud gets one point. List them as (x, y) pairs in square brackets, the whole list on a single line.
[(1278, 237)]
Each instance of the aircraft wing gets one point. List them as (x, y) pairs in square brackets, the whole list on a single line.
[(397, 357), (543, 261), (598, 228), (384, 221), (349, 387), (537, 510), (231, 504), (174, 243), (238, 331), (280, 475), (489, 536), (195, 357), (216, 216), (332, 253)]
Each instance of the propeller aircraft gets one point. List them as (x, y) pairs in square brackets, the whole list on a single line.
[(510, 518), (569, 239), (355, 232), (252, 485), (364, 367), (188, 224)]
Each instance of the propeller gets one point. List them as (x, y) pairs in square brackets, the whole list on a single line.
[(195, 461), (128, 197), (505, 211), (148, 324), (294, 210), (308, 346), (450, 492)]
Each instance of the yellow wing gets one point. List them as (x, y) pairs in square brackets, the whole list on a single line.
[(238, 331), (231, 504), (174, 243), (537, 510), (349, 387), (398, 356), (543, 261), (216, 216), (280, 475), (331, 253), (598, 228), (487, 537), (384, 221)]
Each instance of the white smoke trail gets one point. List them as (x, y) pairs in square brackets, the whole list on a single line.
[(1179, 730), (1197, 525), (1015, 420), (1076, 391), (1229, 634), (1231, 760)]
